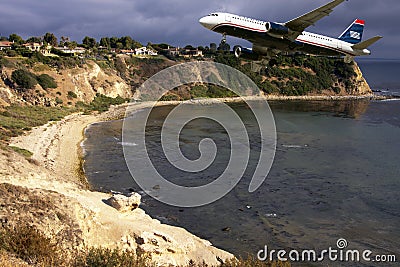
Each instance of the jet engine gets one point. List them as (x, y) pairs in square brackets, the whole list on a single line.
[(246, 53), (277, 30)]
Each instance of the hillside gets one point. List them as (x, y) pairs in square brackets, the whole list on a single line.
[(78, 80)]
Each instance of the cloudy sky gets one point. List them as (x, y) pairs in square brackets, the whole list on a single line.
[(176, 21)]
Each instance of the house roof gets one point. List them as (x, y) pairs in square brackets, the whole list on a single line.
[(5, 43), (32, 44)]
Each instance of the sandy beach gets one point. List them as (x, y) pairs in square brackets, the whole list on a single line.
[(54, 172)]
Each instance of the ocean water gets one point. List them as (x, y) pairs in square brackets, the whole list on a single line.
[(382, 75), (335, 175)]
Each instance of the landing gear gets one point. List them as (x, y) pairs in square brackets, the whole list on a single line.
[(223, 41)]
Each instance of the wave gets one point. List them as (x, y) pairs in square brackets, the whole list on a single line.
[(294, 146), (390, 100), (127, 144)]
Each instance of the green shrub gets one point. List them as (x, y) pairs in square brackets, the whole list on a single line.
[(59, 101), (170, 97), (71, 94), (101, 103), (24, 79), (198, 91), (46, 81), (23, 152)]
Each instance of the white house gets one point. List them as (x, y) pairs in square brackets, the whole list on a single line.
[(5, 45), (144, 51), (72, 51), (33, 46)]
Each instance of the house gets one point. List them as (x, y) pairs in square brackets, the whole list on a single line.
[(127, 52), (144, 51), (189, 53), (173, 52), (34, 47), (72, 51), (5, 45)]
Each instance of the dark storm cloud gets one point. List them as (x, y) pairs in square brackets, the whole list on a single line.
[(176, 21)]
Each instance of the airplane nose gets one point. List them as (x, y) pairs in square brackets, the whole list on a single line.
[(205, 21)]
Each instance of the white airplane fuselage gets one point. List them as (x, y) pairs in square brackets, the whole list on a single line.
[(256, 32)]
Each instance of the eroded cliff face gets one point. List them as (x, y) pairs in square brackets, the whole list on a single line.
[(361, 85), (85, 82)]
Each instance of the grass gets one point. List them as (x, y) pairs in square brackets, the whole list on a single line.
[(30, 245), (111, 258), (101, 103), (23, 152), (15, 120)]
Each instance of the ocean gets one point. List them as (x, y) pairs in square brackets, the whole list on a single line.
[(335, 174)]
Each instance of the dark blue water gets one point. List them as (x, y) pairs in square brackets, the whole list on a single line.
[(336, 175), (382, 75)]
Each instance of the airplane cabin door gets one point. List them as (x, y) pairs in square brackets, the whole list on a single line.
[(228, 18), (339, 45)]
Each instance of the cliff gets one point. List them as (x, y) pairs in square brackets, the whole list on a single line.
[(123, 75), (73, 84)]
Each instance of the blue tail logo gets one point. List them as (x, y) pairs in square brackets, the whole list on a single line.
[(353, 34)]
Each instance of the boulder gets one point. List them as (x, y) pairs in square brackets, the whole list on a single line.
[(125, 203)]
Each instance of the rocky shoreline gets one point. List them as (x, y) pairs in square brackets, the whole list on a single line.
[(83, 217)]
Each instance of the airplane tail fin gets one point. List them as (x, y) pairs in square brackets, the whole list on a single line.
[(367, 43), (353, 34)]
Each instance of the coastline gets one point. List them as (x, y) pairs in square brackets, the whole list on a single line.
[(55, 167)]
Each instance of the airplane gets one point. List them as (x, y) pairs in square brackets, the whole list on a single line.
[(270, 38)]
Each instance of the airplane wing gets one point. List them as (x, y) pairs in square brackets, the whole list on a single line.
[(298, 25)]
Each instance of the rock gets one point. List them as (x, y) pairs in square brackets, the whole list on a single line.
[(125, 203)]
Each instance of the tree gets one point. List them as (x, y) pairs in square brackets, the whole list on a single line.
[(225, 47), (64, 41), (113, 42), (89, 42), (34, 39), (189, 47), (105, 42), (213, 47), (24, 78), (16, 39), (71, 45), (126, 41), (46, 81), (50, 38)]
